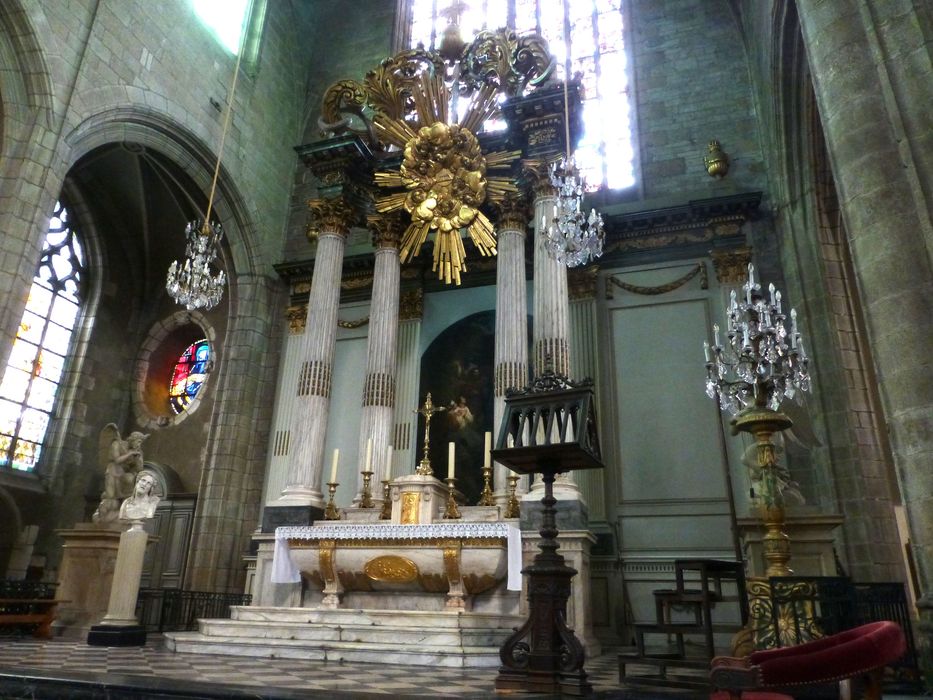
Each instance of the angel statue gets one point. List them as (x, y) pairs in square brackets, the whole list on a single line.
[(123, 460)]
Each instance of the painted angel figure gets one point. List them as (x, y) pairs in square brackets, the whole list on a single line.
[(122, 460)]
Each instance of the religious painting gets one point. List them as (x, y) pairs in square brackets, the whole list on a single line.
[(457, 368)]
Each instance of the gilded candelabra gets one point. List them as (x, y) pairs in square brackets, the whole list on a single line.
[(760, 364), (486, 498), (452, 512), (330, 511), (366, 497), (428, 410), (386, 512)]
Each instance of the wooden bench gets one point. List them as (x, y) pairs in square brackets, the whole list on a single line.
[(30, 611)]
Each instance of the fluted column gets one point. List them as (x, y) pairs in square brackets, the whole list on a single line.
[(511, 352), (381, 351), (551, 305), (411, 311), (330, 223), (873, 92), (584, 363)]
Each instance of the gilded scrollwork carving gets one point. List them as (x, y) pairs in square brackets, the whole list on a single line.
[(297, 318), (411, 305), (513, 212), (731, 266), (334, 215), (507, 61)]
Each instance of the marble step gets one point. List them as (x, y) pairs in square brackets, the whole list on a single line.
[(413, 655), (390, 618), (365, 633)]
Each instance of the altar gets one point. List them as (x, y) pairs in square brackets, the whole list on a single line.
[(399, 566)]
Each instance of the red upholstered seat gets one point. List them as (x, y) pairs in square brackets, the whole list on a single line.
[(861, 651)]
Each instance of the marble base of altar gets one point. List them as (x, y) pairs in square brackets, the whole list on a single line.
[(407, 638)]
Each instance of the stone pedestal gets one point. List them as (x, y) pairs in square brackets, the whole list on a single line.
[(811, 544), (120, 626), (89, 555)]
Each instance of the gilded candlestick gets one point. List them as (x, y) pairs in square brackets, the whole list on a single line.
[(331, 512), (452, 512), (366, 498), (511, 507), (386, 513), (486, 498)]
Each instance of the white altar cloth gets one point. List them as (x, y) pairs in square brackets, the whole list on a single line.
[(285, 571)]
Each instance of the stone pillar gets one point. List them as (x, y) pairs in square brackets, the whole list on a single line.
[(584, 362), (411, 311), (511, 353), (381, 351), (120, 626), (331, 219), (873, 92), (551, 309)]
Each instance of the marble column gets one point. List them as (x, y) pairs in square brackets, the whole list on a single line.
[(411, 311), (584, 362), (551, 310), (873, 93), (511, 351), (381, 352), (330, 223)]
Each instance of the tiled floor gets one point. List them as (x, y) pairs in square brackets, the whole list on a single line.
[(23, 655)]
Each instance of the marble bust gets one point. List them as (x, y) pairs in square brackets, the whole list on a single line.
[(143, 502)]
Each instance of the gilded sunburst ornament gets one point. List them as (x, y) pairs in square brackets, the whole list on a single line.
[(444, 176)]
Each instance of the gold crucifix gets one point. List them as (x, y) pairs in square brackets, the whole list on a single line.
[(428, 410)]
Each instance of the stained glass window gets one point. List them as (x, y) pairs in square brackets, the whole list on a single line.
[(605, 152), (189, 375), (37, 360), (226, 19)]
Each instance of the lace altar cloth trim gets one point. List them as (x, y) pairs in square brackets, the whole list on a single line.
[(394, 532)]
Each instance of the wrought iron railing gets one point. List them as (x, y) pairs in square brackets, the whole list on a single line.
[(38, 590), (807, 607), (172, 609)]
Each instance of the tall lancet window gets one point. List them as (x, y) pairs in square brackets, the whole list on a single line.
[(595, 30), (34, 371)]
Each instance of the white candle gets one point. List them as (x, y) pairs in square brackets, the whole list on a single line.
[(751, 275), (706, 350), (369, 456), (487, 458), (777, 301), (716, 335), (450, 460), (333, 467), (389, 464), (771, 290)]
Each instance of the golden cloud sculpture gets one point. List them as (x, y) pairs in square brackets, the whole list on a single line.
[(444, 176)]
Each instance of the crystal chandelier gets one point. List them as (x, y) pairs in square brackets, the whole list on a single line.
[(571, 237), (761, 363), (192, 283)]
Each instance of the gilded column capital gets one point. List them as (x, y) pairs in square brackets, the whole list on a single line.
[(334, 215), (411, 305), (731, 265), (581, 282), (386, 229), (297, 318), (513, 212), (536, 176)]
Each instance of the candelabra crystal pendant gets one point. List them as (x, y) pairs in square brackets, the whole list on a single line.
[(192, 283), (572, 237), (761, 362)]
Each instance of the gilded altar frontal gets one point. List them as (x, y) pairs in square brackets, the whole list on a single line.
[(567, 346)]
